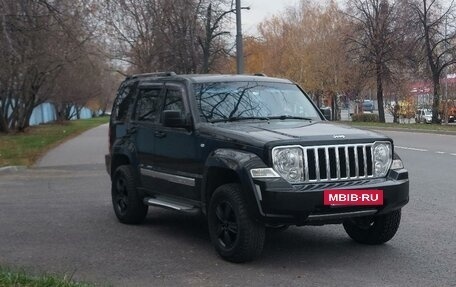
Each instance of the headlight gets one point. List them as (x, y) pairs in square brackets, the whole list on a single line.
[(383, 156), (288, 162)]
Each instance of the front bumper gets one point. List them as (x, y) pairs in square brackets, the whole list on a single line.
[(282, 203)]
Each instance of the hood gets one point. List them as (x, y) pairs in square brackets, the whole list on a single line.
[(278, 132)]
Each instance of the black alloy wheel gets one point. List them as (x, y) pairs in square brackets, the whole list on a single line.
[(227, 225), (236, 236), (127, 204), (121, 196)]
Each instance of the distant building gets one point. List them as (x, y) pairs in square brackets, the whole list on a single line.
[(423, 91)]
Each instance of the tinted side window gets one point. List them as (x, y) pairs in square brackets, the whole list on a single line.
[(174, 100), (148, 104), (122, 104)]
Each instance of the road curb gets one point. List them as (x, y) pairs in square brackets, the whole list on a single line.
[(11, 169)]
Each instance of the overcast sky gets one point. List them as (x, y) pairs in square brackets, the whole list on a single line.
[(261, 9)]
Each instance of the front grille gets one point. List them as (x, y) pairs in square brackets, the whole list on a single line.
[(337, 162)]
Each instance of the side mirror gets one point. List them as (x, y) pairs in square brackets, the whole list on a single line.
[(326, 112), (174, 119)]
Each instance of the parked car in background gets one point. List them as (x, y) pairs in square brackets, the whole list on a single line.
[(423, 116), (368, 106)]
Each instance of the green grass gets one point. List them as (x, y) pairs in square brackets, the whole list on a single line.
[(405, 127), (25, 148), (21, 279)]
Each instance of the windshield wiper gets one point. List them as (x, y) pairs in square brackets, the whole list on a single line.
[(235, 119), (286, 117), (282, 117)]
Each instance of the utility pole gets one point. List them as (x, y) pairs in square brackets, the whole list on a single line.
[(445, 106), (239, 44)]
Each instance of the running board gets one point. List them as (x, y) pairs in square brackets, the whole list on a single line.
[(171, 204)]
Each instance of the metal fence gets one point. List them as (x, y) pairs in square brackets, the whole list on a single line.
[(45, 113)]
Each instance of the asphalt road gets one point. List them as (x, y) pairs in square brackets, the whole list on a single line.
[(59, 219)]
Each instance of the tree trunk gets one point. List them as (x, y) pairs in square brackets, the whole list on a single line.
[(436, 100), (24, 120), (396, 111), (381, 109), (206, 43), (69, 112), (78, 112), (3, 123), (334, 108)]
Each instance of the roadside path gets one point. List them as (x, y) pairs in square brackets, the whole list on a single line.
[(87, 148)]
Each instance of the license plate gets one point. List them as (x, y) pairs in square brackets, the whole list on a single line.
[(353, 197)]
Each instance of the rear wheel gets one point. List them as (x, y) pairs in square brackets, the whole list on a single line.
[(373, 229), (235, 235), (128, 207)]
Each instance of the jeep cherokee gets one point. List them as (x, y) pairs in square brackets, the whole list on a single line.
[(250, 153)]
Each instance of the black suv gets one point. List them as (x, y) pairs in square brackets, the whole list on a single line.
[(250, 153)]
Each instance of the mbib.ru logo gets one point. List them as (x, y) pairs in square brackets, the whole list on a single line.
[(353, 197)]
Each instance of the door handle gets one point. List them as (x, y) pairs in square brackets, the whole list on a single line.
[(132, 130), (159, 134)]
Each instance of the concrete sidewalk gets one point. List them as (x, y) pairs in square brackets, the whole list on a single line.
[(87, 148)]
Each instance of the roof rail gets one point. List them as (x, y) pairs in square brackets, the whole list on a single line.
[(260, 74), (157, 74)]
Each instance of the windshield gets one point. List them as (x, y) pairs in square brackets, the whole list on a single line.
[(221, 101)]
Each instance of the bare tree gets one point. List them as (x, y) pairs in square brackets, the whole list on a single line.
[(436, 41), (152, 35), (37, 39), (211, 41), (377, 39), (87, 82)]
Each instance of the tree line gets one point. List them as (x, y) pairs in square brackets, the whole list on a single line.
[(380, 45), (74, 52), (48, 53)]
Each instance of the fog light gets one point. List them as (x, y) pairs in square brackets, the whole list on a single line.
[(263, 173), (397, 164)]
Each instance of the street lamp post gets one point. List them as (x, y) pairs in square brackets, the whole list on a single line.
[(445, 106), (239, 44)]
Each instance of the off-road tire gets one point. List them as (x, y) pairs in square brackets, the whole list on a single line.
[(234, 234), (128, 207), (374, 230)]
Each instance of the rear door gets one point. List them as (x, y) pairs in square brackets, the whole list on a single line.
[(145, 121)]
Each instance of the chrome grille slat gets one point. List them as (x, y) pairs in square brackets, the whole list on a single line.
[(355, 150), (336, 150), (347, 161), (355, 162), (328, 167), (317, 164), (306, 166)]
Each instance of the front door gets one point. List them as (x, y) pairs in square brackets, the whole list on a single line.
[(175, 150)]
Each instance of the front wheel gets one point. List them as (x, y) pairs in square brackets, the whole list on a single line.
[(127, 205), (373, 229), (235, 235)]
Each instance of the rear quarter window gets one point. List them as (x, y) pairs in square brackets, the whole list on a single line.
[(122, 104)]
